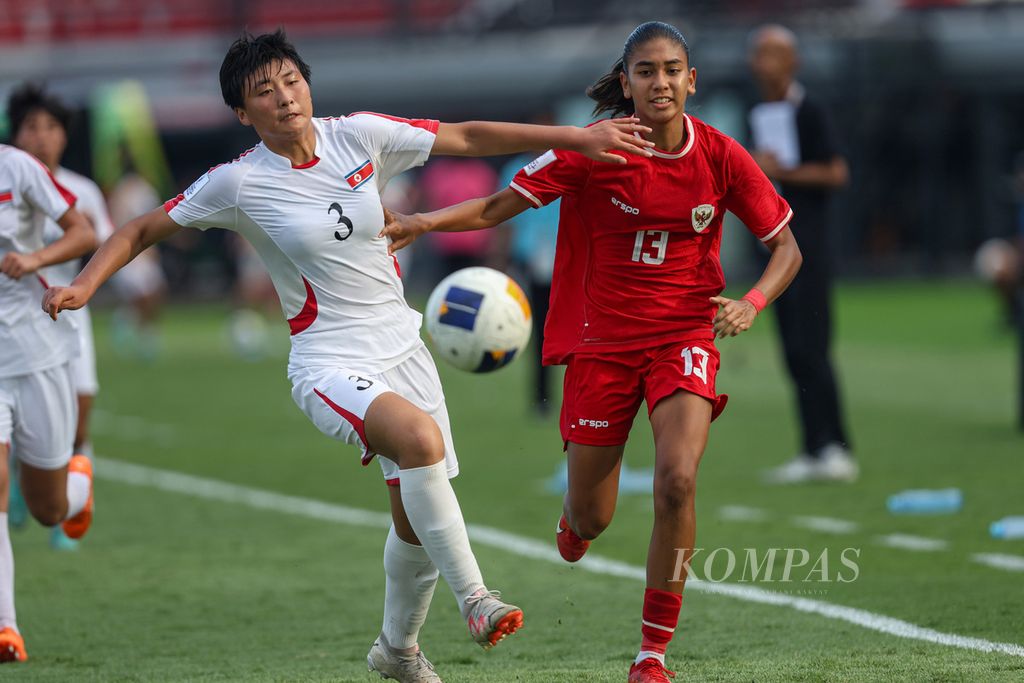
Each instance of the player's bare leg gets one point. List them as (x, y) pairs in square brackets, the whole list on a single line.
[(680, 423), (12, 647), (85, 402), (400, 431), (590, 500), (58, 539), (60, 495)]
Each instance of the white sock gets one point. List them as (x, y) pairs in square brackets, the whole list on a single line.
[(647, 654), (409, 586), (7, 616), (436, 517), (78, 493)]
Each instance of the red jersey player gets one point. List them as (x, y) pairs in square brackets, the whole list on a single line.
[(636, 305)]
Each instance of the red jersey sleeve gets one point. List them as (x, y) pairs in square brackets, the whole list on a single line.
[(552, 175), (752, 197)]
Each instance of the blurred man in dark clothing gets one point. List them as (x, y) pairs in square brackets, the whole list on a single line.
[(794, 143)]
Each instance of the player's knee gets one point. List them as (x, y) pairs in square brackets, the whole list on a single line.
[(47, 512), (423, 444), (674, 491), (591, 522)]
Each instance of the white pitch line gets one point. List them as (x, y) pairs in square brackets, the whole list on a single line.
[(829, 525), (1013, 563), (908, 542), (210, 489), (742, 513)]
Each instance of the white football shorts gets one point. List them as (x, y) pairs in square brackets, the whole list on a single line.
[(336, 400), (38, 416), (83, 366)]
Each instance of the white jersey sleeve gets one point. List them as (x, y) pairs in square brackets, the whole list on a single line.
[(39, 188), (211, 201), (396, 144)]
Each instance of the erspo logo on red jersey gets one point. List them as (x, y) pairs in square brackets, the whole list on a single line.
[(358, 177)]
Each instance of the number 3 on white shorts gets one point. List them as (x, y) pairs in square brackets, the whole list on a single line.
[(701, 369)]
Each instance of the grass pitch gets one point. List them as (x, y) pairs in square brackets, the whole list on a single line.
[(169, 587)]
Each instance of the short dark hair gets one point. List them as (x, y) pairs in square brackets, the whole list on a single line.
[(29, 98), (251, 55)]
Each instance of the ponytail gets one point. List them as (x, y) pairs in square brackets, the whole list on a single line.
[(607, 92)]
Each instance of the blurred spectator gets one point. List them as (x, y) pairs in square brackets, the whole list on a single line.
[(794, 143), (530, 245), (1001, 261), (450, 181)]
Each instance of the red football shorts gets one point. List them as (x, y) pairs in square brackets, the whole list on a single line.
[(603, 392)]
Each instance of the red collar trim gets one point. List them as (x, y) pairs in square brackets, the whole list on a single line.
[(309, 164)]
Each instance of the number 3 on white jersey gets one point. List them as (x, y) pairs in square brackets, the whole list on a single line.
[(660, 244), (701, 369)]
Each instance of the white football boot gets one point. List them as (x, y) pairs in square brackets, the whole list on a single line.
[(400, 666)]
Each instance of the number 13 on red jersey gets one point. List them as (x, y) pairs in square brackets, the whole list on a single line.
[(652, 252)]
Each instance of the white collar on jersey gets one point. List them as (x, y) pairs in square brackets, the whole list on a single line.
[(686, 148)]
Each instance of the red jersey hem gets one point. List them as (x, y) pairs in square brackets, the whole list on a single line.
[(602, 348)]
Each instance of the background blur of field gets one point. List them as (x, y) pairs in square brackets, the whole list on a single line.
[(170, 587)]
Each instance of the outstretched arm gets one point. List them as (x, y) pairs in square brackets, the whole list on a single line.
[(492, 138), (123, 246), (474, 214), (737, 316), (78, 240)]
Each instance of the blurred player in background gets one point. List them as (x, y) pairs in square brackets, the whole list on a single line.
[(39, 125), (256, 303), (637, 282), (307, 198), (141, 284), (38, 409), (795, 145)]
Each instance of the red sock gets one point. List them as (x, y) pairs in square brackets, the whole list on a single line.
[(661, 614)]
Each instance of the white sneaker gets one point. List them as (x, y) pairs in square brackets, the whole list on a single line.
[(798, 470), (836, 463), (490, 619), (404, 668)]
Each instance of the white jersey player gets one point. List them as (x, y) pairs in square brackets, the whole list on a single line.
[(37, 399), (308, 199), (40, 127), (91, 204)]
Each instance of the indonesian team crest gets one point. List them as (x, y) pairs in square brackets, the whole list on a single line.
[(701, 216)]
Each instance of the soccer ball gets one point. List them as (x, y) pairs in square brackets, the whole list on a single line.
[(478, 319)]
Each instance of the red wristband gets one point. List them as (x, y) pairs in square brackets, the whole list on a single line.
[(755, 297)]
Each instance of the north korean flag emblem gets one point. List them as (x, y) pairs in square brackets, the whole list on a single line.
[(358, 177)]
